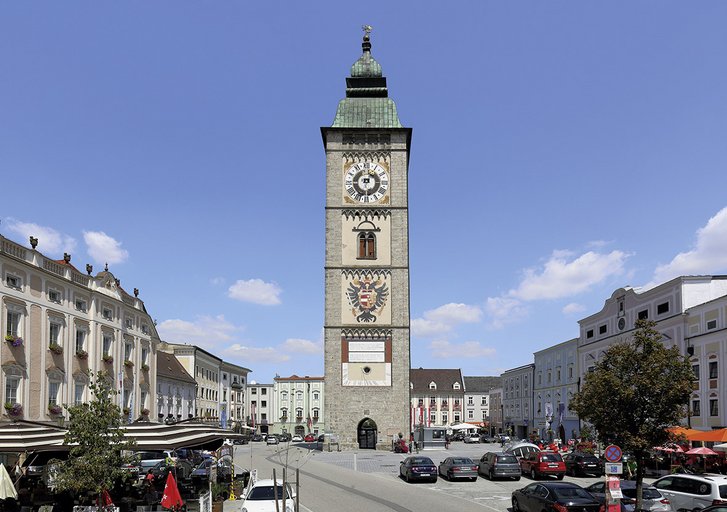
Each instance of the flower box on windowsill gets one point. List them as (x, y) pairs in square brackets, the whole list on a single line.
[(55, 409), (14, 410), (81, 354), (55, 348), (108, 359), (145, 413), (145, 367), (15, 341), (129, 363), (125, 411)]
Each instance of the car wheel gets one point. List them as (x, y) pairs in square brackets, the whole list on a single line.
[(515, 505), (533, 474)]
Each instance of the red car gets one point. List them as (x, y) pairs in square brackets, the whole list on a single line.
[(539, 464), (309, 438)]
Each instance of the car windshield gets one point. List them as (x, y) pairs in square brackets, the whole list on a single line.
[(266, 492), (647, 493), (507, 459), (571, 492)]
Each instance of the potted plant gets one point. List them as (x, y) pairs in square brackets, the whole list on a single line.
[(55, 409), (125, 411), (55, 348), (145, 367), (15, 341), (81, 354), (145, 412), (13, 410), (129, 363), (107, 358)]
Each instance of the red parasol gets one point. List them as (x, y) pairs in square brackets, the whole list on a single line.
[(171, 499), (670, 448), (701, 450)]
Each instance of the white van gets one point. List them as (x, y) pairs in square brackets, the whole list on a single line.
[(693, 492)]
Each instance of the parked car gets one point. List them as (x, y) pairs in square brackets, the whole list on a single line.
[(582, 464), (418, 468), (310, 438), (321, 438), (499, 465), (297, 438), (472, 438), (458, 467), (693, 492), (651, 499), (540, 464), (257, 438), (272, 439), (521, 449), (260, 497), (556, 496)]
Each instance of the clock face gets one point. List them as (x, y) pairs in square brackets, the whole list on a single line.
[(366, 182)]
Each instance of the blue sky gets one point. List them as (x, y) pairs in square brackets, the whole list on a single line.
[(560, 150)]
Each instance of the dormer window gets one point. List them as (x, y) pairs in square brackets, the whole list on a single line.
[(432, 385), (456, 385)]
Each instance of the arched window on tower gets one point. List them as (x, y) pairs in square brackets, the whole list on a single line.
[(366, 239), (366, 246)]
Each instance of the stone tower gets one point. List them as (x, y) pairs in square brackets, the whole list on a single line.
[(367, 263)]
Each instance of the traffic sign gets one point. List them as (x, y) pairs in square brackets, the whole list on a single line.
[(613, 468), (612, 453)]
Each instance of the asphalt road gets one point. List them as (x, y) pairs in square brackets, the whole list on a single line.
[(368, 480)]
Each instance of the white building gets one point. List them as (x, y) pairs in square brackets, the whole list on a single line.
[(299, 408), (232, 386), (260, 404), (477, 399), (176, 389), (58, 324)]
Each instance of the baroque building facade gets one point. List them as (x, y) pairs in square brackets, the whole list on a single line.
[(437, 397), (366, 318), (59, 324), (299, 403)]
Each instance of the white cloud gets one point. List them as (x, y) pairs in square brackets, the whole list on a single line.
[(104, 249), (708, 256), (256, 291), (444, 318), (573, 308), (565, 276), (442, 349), (257, 354), (217, 281), (50, 241), (503, 311), (205, 331), (302, 346)]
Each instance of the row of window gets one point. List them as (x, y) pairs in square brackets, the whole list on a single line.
[(14, 323), (713, 407), (81, 304), (549, 375), (661, 309), (299, 412), (713, 370), (298, 395)]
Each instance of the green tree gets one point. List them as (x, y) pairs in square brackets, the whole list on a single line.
[(637, 390), (96, 441)]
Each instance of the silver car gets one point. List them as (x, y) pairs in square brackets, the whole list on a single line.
[(652, 499), (499, 465)]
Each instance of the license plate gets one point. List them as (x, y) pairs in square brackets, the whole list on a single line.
[(552, 465), (424, 474)]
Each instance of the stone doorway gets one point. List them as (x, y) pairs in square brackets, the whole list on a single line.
[(367, 434)]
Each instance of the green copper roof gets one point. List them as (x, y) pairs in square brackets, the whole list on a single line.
[(367, 104)]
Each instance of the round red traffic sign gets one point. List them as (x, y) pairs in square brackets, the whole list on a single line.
[(612, 453)]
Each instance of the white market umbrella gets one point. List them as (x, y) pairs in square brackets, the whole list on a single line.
[(460, 426), (721, 447), (7, 489)]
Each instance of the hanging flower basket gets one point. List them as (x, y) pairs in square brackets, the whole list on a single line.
[(55, 348), (81, 354), (145, 412), (129, 363), (145, 367), (15, 341), (125, 411), (55, 409), (14, 410), (108, 359)]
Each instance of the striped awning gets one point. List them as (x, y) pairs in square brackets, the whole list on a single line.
[(25, 436), (158, 436)]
